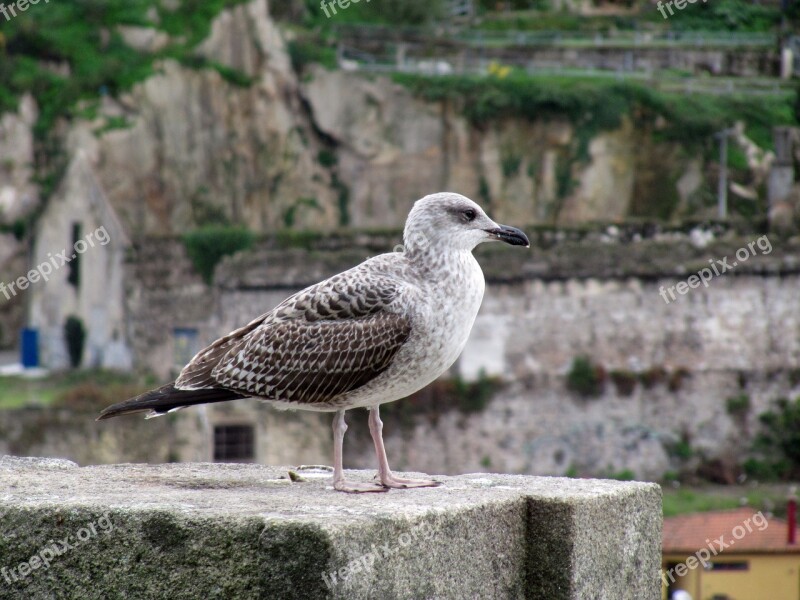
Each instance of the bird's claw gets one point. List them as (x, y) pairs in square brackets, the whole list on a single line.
[(352, 487), (400, 483)]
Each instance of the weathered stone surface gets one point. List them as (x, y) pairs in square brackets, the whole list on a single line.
[(246, 531)]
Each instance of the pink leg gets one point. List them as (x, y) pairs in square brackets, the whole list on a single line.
[(339, 482), (384, 472)]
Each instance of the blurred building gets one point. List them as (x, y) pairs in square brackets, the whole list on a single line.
[(750, 557)]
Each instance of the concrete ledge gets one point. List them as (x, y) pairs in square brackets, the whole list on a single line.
[(247, 531)]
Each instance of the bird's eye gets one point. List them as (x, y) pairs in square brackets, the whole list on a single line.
[(470, 214)]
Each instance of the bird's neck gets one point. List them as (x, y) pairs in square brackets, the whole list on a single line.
[(440, 262)]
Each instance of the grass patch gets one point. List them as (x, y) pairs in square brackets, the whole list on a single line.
[(682, 500), (67, 388)]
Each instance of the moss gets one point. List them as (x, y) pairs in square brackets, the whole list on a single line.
[(294, 556)]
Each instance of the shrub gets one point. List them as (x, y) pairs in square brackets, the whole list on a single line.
[(776, 447), (75, 336), (208, 245), (474, 396), (586, 378), (624, 381), (653, 376), (305, 52), (676, 379), (680, 448)]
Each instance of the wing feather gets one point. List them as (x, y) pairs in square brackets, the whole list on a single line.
[(319, 344)]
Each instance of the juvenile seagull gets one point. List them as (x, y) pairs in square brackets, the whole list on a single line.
[(373, 334)]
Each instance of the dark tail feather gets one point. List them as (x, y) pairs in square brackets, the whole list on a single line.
[(165, 399)]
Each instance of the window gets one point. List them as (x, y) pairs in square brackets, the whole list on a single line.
[(730, 566), (234, 443), (74, 264), (185, 346)]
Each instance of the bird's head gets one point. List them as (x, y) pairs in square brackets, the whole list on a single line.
[(454, 221)]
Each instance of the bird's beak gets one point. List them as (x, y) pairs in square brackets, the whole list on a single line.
[(509, 235)]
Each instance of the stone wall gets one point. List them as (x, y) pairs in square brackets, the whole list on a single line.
[(186, 436), (671, 366), (246, 531)]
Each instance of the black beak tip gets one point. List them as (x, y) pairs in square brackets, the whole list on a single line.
[(511, 236)]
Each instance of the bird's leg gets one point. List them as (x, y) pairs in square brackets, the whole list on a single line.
[(339, 483), (384, 472)]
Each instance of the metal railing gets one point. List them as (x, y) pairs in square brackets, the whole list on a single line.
[(357, 60), (491, 38)]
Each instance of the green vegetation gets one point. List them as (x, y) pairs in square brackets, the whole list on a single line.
[(680, 449), (307, 51), (232, 76), (441, 397), (776, 449), (738, 406), (82, 35), (624, 475), (386, 12), (729, 15), (624, 382), (678, 501), (71, 388), (208, 245), (653, 376), (75, 337), (327, 158), (474, 396), (600, 104), (111, 124), (290, 215), (586, 378)]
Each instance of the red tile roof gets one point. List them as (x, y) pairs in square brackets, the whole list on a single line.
[(690, 533)]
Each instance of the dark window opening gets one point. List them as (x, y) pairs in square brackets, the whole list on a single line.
[(74, 264), (234, 443), (730, 566)]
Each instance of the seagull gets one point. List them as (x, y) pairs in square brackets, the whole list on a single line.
[(373, 334)]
